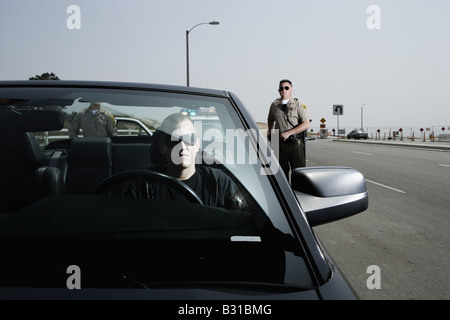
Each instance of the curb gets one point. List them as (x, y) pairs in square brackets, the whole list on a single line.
[(412, 145)]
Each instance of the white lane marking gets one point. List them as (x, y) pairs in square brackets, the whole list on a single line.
[(359, 152), (385, 186), (445, 165)]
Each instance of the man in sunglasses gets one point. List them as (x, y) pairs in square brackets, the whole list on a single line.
[(175, 145), (290, 117)]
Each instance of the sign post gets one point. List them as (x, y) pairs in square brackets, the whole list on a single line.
[(338, 110), (323, 129)]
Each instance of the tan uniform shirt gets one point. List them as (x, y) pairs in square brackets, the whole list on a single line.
[(297, 113), (100, 124)]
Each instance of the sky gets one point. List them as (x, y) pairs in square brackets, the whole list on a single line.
[(386, 61)]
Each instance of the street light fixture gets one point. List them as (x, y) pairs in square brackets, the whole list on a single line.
[(213, 23)]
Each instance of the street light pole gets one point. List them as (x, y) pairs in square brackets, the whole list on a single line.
[(213, 23), (362, 116)]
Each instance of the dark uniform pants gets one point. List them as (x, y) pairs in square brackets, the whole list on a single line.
[(291, 156)]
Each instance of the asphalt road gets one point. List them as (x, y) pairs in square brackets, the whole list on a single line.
[(406, 229)]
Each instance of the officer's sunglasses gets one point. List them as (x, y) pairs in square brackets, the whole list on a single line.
[(171, 141), (285, 88)]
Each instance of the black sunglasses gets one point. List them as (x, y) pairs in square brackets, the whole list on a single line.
[(285, 88), (171, 141)]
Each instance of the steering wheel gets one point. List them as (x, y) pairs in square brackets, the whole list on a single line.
[(148, 175)]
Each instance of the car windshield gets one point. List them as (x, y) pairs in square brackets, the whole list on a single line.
[(107, 217)]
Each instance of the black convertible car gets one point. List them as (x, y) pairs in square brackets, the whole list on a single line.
[(67, 232)]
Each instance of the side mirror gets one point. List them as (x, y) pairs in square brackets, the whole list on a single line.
[(327, 194)]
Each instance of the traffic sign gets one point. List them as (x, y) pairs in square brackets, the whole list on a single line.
[(338, 109)]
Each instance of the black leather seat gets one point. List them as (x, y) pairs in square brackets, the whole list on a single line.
[(90, 161), (49, 181), (25, 175)]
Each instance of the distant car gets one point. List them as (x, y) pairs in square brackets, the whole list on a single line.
[(357, 134), (65, 225)]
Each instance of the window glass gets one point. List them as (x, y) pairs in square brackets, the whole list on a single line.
[(259, 226)]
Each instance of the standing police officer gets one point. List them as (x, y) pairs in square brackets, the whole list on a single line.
[(291, 117), (94, 121)]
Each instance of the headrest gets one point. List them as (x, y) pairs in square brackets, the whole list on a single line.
[(91, 152), (30, 120)]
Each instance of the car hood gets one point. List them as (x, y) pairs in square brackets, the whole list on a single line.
[(151, 294)]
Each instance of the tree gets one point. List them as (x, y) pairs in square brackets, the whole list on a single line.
[(45, 76)]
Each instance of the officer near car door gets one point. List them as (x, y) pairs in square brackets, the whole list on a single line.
[(290, 116), (95, 121)]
